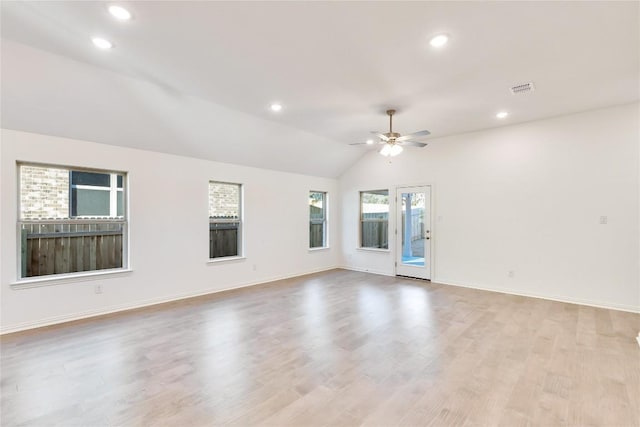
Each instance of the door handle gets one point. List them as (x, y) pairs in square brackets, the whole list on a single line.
[(427, 237)]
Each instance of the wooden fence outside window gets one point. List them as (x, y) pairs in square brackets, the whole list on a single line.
[(70, 246)]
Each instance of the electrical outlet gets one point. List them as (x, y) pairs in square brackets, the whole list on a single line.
[(255, 267), (97, 289), (511, 273), (603, 219)]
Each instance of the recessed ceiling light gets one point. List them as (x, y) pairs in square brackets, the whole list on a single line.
[(502, 115), (101, 43), (369, 141), (439, 40), (276, 107), (120, 12)]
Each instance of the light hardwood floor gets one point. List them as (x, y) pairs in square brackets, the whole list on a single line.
[(334, 348)]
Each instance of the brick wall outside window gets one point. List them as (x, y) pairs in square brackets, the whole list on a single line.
[(44, 192), (223, 200)]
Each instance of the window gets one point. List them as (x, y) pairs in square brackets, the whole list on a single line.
[(70, 220), (225, 220), (317, 219), (374, 219)]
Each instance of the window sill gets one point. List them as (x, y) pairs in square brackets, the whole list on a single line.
[(323, 248), (59, 279), (225, 259), (373, 250)]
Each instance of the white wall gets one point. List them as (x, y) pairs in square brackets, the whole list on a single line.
[(169, 229), (526, 198)]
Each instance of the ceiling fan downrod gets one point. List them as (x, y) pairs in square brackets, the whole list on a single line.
[(390, 113)]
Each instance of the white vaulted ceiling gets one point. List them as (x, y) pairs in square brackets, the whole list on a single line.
[(197, 78)]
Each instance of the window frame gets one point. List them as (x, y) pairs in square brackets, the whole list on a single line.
[(361, 220), (124, 220), (324, 221), (240, 221)]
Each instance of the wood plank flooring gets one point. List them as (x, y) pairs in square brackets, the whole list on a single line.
[(339, 348)]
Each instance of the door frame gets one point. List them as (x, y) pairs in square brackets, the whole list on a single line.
[(432, 221)]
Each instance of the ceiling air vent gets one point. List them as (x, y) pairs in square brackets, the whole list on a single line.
[(523, 88)]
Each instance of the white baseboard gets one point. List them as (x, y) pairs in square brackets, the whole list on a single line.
[(367, 270), (146, 303), (558, 298)]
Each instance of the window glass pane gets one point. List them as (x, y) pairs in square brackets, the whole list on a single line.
[(224, 216), (375, 234), (223, 239), (316, 205), (44, 192), (316, 235), (375, 204), (374, 227), (68, 247), (120, 207), (224, 200), (90, 202), (317, 216), (119, 177), (91, 178)]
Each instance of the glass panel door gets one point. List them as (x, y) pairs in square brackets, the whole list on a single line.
[(413, 232)]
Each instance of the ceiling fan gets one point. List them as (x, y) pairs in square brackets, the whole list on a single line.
[(393, 141)]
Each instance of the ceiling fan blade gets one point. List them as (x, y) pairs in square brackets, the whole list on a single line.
[(367, 143), (414, 135), (380, 135), (406, 143)]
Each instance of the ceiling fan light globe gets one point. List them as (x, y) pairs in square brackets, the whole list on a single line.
[(395, 150), (386, 150)]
